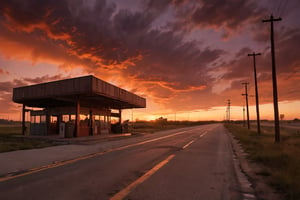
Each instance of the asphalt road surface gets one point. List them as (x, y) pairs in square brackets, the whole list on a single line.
[(191, 163)]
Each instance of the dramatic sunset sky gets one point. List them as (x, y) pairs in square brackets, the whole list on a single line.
[(186, 57)]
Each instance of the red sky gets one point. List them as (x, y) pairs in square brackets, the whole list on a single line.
[(186, 57)]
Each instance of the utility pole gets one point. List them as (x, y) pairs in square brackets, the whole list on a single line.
[(228, 109), (256, 91), (275, 96), (244, 122), (247, 106)]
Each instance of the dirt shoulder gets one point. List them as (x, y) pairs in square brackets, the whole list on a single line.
[(255, 173)]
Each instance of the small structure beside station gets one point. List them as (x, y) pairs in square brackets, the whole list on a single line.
[(75, 107)]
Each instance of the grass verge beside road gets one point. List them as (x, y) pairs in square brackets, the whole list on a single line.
[(281, 161), (11, 140)]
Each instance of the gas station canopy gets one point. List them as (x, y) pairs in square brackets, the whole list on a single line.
[(89, 90)]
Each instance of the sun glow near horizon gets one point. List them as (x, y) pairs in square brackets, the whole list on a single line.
[(286, 108)]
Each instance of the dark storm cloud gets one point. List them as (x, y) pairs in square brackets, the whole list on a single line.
[(92, 30), (77, 26), (174, 64), (100, 33), (228, 13), (240, 69), (288, 52), (166, 58), (161, 62), (158, 5), (45, 78), (228, 16), (7, 86), (6, 89), (29, 14)]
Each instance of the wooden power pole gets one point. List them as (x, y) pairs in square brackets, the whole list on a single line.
[(256, 91), (244, 122), (275, 95), (247, 105), (228, 111)]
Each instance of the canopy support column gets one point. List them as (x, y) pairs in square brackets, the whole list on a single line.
[(91, 123), (120, 116), (77, 119), (23, 119)]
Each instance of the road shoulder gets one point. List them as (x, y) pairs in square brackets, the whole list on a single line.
[(252, 170)]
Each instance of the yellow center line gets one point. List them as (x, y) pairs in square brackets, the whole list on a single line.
[(124, 192), (61, 163)]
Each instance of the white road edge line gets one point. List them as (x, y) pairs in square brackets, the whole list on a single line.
[(147, 141), (188, 144), (203, 134), (124, 192)]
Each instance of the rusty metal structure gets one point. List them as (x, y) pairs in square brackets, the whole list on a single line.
[(74, 107)]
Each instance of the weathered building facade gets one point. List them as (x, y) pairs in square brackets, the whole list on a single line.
[(74, 107)]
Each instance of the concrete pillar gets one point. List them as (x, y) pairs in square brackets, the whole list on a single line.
[(120, 120), (77, 119), (120, 116), (91, 124), (23, 119), (48, 122)]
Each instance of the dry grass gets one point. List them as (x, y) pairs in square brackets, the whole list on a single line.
[(13, 143), (282, 161), (12, 140), (10, 130)]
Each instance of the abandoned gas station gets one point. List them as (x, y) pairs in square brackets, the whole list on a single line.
[(75, 107)]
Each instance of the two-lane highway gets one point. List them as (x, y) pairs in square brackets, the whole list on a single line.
[(190, 163)]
